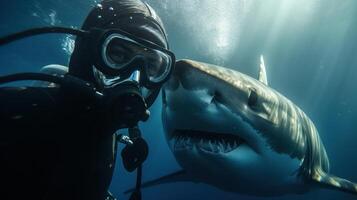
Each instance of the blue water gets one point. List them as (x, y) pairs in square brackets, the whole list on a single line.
[(310, 49)]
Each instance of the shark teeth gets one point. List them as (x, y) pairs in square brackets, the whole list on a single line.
[(211, 142)]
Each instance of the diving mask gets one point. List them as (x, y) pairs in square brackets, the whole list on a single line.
[(120, 55)]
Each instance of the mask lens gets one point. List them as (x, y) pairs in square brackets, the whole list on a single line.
[(118, 51), (117, 54), (158, 65)]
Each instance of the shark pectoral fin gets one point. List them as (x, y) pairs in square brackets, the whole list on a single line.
[(262, 71), (170, 178), (335, 183)]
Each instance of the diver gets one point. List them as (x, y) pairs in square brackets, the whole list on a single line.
[(58, 136)]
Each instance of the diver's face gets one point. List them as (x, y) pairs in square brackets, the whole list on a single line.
[(122, 52)]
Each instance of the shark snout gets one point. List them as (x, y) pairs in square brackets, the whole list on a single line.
[(200, 88), (200, 101), (198, 106)]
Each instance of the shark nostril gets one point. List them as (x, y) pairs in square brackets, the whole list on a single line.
[(172, 84)]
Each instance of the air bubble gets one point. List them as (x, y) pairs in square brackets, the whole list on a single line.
[(99, 16), (100, 6), (111, 8)]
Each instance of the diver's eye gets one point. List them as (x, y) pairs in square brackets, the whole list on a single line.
[(253, 99), (118, 54)]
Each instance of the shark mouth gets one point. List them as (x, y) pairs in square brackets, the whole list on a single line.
[(206, 141)]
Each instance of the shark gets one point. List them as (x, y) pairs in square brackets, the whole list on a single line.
[(236, 133)]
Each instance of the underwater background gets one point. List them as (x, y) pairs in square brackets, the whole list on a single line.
[(310, 50)]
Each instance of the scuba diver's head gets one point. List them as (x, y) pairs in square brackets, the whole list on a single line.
[(130, 47)]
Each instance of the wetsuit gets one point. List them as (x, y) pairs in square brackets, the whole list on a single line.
[(54, 145)]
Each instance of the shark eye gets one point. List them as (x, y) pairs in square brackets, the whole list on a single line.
[(252, 99), (216, 97)]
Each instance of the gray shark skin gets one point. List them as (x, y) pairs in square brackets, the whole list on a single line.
[(234, 132)]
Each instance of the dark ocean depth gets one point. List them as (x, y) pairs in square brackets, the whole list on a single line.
[(309, 46)]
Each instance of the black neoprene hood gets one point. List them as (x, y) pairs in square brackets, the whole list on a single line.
[(132, 16)]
